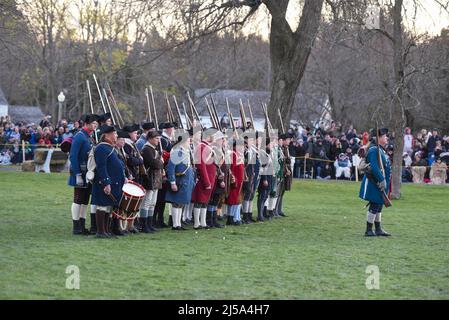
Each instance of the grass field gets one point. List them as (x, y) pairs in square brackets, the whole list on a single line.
[(318, 252)]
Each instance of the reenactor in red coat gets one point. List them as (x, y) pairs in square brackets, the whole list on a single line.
[(235, 197), (206, 171)]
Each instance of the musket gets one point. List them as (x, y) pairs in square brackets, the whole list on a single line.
[(90, 97), (212, 117), (251, 115), (188, 122), (171, 118), (114, 103), (109, 106), (242, 115), (154, 109), (385, 198), (231, 119), (280, 119), (91, 107), (266, 117), (193, 107), (99, 92), (148, 105), (214, 109), (178, 112)]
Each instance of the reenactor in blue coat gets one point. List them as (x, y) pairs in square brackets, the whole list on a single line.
[(180, 176), (376, 183), (102, 120), (109, 179), (79, 152)]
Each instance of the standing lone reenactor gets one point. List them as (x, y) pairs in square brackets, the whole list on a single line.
[(376, 183), (79, 153)]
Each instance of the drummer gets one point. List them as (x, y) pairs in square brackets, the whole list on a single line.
[(134, 161), (109, 179)]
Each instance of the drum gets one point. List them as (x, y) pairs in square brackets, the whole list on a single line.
[(132, 197)]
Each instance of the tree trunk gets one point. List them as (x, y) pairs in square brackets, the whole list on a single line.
[(398, 121), (289, 53)]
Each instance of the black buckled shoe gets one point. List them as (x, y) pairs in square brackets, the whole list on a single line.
[(380, 232), (77, 227), (369, 230), (369, 233)]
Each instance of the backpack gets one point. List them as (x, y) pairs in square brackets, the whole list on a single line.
[(365, 165), (91, 164), (66, 144)]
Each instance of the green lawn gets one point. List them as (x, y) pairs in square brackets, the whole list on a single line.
[(318, 252)]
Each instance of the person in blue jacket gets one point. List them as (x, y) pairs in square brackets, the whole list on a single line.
[(109, 179), (79, 151), (375, 183), (180, 176)]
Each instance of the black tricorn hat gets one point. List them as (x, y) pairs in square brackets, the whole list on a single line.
[(106, 129), (148, 125), (166, 125), (104, 117), (89, 118), (122, 134), (131, 127), (380, 132)]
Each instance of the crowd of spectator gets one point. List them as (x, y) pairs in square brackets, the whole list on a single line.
[(331, 153), (42, 134)]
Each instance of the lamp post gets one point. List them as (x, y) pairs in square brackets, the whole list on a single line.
[(61, 99)]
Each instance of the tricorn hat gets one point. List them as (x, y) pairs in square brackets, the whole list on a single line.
[(107, 129), (131, 127), (148, 125)]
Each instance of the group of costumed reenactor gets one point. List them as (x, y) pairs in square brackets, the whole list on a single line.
[(202, 175)]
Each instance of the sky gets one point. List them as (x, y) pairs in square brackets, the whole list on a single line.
[(430, 18)]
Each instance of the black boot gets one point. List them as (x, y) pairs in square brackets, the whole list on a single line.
[(100, 218), (244, 218), (145, 222), (209, 219), (107, 225), (369, 230), (116, 230), (269, 214), (229, 221), (93, 224), (379, 231), (250, 217), (76, 227), (83, 226), (150, 224), (215, 222)]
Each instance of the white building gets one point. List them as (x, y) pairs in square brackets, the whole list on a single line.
[(3, 104)]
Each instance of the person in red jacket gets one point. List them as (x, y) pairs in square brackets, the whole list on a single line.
[(206, 171), (235, 197)]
